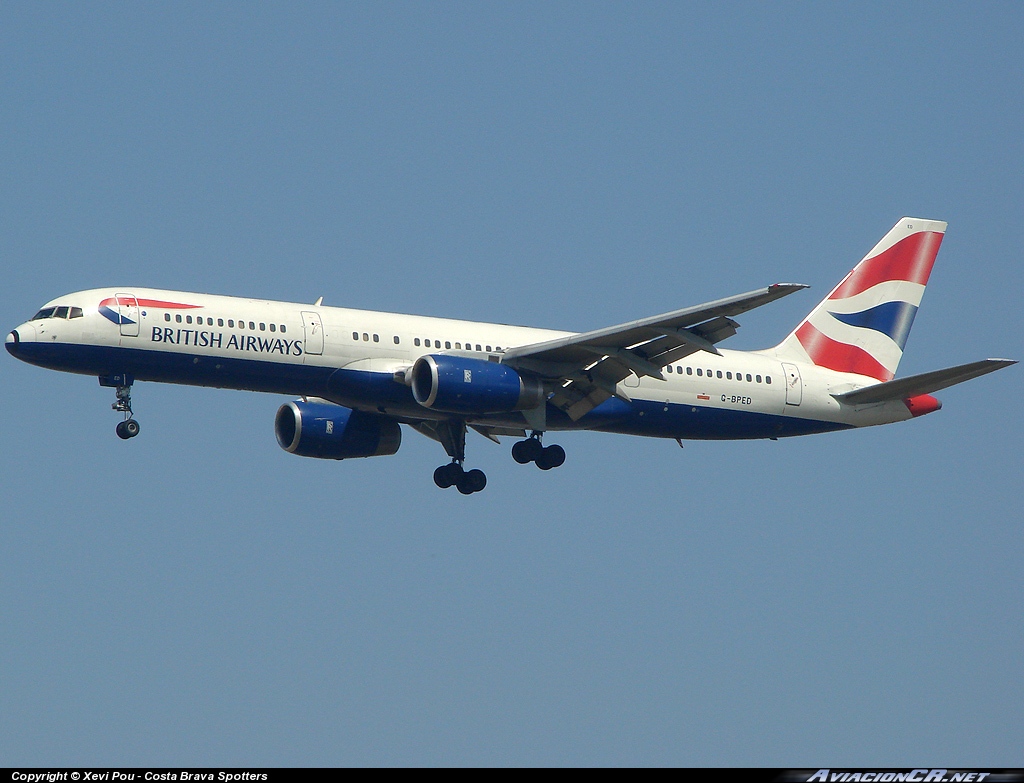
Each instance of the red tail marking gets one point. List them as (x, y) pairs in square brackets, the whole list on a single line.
[(909, 259), (826, 352)]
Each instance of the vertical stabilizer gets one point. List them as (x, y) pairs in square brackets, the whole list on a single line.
[(862, 325)]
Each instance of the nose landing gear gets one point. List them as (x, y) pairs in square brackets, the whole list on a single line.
[(531, 450), (122, 385)]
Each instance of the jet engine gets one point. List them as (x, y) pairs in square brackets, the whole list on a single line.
[(326, 431), (456, 384)]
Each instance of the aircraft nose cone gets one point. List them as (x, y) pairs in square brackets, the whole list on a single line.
[(12, 342)]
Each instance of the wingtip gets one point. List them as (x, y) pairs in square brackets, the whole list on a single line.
[(788, 286)]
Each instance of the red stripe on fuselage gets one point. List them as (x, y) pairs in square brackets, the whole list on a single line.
[(129, 301), (826, 352), (910, 259)]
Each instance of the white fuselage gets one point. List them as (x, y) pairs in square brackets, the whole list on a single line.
[(360, 359)]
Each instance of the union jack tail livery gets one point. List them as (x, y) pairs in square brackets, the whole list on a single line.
[(861, 327)]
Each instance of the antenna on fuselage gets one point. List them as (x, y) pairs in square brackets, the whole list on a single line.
[(318, 302)]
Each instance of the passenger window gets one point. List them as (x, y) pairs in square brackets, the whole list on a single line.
[(188, 319), (220, 322), (355, 335), (478, 346), (437, 343), (669, 368), (416, 341), (767, 379), (376, 338), (167, 316), (719, 374), (689, 371), (263, 327), (700, 372), (397, 341), (273, 327), (748, 377), (283, 330), (447, 345), (177, 317), (366, 337), (252, 325), (728, 375), (231, 323), (757, 378), (458, 346)]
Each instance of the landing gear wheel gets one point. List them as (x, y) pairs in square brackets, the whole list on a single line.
[(131, 427), (520, 453), (447, 475), (472, 481), (120, 430), (527, 451), (551, 457)]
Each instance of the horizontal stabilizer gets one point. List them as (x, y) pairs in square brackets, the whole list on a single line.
[(926, 383)]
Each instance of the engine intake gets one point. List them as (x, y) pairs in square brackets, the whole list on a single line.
[(326, 431), (457, 384)]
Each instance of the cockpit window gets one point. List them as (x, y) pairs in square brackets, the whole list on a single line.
[(61, 312), (76, 312), (46, 312)]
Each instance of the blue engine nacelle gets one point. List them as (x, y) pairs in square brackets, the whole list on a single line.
[(457, 384), (319, 429)]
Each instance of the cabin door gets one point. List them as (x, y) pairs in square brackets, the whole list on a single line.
[(794, 385), (128, 315), (314, 329)]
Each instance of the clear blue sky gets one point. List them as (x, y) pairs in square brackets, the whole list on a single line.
[(198, 596)]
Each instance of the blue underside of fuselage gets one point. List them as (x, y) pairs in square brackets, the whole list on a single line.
[(379, 392)]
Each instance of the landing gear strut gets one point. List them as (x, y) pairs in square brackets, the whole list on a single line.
[(452, 435), (532, 450), (122, 385)]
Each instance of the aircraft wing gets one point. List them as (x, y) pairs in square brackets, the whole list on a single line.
[(589, 365), (925, 383)]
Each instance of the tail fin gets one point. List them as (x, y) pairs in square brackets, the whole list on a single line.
[(862, 325)]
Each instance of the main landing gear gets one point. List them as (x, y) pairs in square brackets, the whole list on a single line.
[(122, 385), (466, 481), (531, 450), (452, 435)]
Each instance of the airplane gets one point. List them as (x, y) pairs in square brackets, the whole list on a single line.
[(359, 374)]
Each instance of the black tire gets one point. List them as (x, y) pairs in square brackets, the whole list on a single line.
[(554, 456), (120, 430), (521, 452), (443, 477), (476, 479), (131, 427)]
